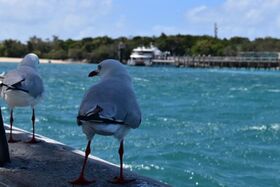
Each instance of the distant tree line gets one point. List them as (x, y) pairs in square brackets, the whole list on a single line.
[(95, 49)]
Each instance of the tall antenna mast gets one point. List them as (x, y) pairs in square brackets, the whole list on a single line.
[(215, 30)]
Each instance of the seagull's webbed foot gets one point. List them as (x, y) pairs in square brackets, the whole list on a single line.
[(121, 180), (33, 141), (11, 140), (81, 181)]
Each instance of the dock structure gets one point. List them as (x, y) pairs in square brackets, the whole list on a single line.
[(51, 163), (220, 61)]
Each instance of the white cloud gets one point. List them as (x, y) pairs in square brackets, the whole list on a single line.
[(250, 18), (21, 19), (66, 18)]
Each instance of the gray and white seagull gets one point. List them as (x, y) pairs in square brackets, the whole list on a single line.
[(109, 108), (23, 87)]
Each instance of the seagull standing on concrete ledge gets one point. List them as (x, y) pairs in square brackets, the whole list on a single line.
[(23, 87), (109, 108)]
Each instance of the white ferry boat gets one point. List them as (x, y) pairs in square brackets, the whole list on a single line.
[(143, 56)]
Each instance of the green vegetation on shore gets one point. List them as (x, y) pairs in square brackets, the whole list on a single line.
[(95, 49)]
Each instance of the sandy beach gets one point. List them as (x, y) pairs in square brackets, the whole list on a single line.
[(44, 61)]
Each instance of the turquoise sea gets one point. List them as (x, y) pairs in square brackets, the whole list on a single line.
[(201, 127)]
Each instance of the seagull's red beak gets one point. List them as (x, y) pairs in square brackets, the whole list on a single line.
[(93, 73)]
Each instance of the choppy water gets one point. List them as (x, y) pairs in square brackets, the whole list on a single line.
[(201, 127)]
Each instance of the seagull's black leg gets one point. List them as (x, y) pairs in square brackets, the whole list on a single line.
[(120, 179), (81, 180), (33, 140), (121, 160), (11, 140)]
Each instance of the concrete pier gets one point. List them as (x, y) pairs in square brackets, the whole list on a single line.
[(52, 164), (219, 61)]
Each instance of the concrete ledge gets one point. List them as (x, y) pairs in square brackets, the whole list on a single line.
[(52, 164)]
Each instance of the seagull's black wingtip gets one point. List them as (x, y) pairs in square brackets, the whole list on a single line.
[(79, 123)]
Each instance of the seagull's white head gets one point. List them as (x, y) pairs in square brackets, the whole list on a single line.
[(30, 60), (110, 68)]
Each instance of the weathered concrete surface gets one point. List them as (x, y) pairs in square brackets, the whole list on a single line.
[(52, 164)]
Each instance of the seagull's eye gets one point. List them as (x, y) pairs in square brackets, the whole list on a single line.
[(99, 67)]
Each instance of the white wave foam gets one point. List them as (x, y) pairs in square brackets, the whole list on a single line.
[(273, 127), (274, 90), (258, 128), (239, 89), (143, 167), (140, 79)]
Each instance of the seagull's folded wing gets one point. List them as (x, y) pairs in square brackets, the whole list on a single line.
[(133, 118), (116, 100), (12, 78)]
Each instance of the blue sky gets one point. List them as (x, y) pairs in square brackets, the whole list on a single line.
[(76, 19)]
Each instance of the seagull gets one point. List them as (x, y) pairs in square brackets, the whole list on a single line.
[(108, 108), (23, 87)]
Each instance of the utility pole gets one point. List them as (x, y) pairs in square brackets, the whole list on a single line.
[(4, 148), (215, 30), (121, 48)]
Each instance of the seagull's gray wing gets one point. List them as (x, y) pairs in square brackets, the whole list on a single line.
[(111, 102), (12, 78), (24, 79)]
